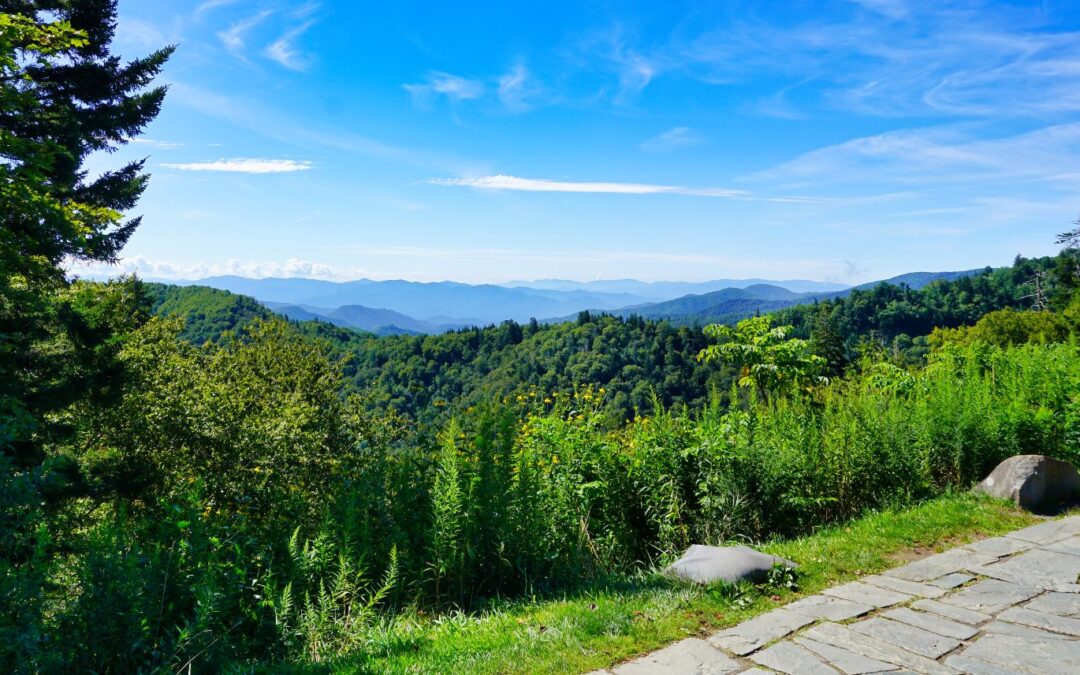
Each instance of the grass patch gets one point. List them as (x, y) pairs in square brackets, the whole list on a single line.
[(599, 627)]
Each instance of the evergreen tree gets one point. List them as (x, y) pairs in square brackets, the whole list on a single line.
[(1067, 271), (827, 342), (64, 97)]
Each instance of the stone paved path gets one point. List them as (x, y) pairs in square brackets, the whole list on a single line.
[(1003, 606)]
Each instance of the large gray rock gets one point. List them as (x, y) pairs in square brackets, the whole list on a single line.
[(1034, 482), (706, 564)]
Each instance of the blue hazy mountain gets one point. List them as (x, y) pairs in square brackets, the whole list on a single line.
[(723, 306), (732, 304), (386, 307), (460, 303), (669, 290), (378, 321), (917, 280)]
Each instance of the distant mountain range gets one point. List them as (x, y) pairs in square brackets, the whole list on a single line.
[(378, 321), (389, 307), (667, 290), (729, 304), (438, 303), (733, 304)]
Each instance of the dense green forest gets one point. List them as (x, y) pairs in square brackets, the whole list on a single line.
[(188, 483), (638, 362)]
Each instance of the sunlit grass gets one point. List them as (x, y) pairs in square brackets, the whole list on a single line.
[(599, 627)]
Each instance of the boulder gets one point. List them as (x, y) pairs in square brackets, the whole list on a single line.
[(1034, 482), (706, 564)]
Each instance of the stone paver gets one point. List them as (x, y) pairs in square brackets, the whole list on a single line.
[(1070, 546), (1007, 628), (960, 614), (1026, 655), (966, 664), (1051, 622), (1039, 568), (867, 594), (819, 607), (916, 640), (950, 581), (904, 586), (999, 546), (990, 596), (788, 657), (689, 656), (1003, 606), (936, 566), (847, 661), (1062, 604), (932, 622), (755, 633), (1048, 532), (842, 636)]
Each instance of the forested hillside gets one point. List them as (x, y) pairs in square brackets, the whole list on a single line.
[(900, 318), (431, 377), (206, 312)]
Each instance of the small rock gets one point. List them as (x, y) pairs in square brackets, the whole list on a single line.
[(706, 564), (1034, 482)]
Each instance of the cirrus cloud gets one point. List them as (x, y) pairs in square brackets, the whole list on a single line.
[(241, 165), (502, 182), (515, 183)]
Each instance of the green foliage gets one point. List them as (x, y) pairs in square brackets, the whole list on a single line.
[(899, 317), (1008, 327), (767, 359), (207, 313), (326, 609), (258, 415), (432, 377), (447, 515)]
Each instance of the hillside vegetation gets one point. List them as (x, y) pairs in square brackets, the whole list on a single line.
[(190, 484), (637, 361)]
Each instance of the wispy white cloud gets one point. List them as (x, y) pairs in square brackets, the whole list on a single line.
[(452, 87), (940, 155), (160, 145), (514, 183), (211, 5), (636, 72), (285, 51), (255, 269), (893, 9), (890, 58), (254, 116), (233, 37), (245, 166), (139, 34), (672, 139), (513, 88), (627, 69), (516, 90), (501, 182)]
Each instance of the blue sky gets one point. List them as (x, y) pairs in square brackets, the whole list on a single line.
[(484, 142)]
